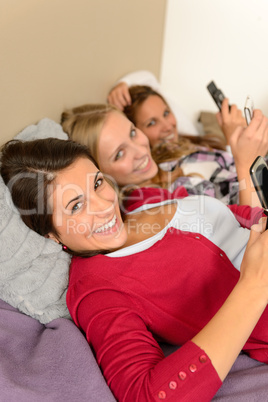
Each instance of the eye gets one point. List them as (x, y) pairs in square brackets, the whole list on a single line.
[(98, 182), (76, 207), (151, 123), (133, 133), (166, 113), (118, 155)]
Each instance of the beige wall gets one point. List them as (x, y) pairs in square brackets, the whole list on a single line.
[(60, 53)]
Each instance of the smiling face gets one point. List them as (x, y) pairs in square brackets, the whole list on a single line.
[(124, 152), (85, 209), (156, 120)]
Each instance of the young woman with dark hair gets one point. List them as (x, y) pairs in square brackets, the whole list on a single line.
[(182, 271)]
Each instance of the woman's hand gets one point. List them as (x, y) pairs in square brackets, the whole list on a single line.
[(227, 332), (119, 96), (250, 142), (254, 267), (246, 144), (229, 120)]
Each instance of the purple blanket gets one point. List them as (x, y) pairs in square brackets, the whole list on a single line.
[(246, 382), (53, 362)]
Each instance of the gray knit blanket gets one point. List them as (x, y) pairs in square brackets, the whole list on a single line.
[(33, 270)]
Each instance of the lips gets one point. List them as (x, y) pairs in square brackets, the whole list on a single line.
[(107, 226), (144, 164)]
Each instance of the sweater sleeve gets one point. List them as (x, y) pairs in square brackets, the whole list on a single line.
[(132, 361), (246, 215)]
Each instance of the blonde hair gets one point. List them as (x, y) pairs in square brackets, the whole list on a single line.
[(83, 124)]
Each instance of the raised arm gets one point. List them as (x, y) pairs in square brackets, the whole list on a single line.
[(119, 96), (228, 331)]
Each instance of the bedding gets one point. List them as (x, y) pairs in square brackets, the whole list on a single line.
[(44, 356), (33, 270), (246, 382), (53, 362), (210, 124), (46, 362)]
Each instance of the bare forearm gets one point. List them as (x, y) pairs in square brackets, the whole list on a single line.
[(225, 335)]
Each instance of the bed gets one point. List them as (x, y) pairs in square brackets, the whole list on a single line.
[(44, 356), (53, 362)]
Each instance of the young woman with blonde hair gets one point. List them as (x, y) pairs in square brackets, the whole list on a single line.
[(123, 152)]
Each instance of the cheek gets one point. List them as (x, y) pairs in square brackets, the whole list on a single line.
[(125, 166), (152, 134), (110, 170), (144, 139), (119, 172), (154, 138), (173, 120), (120, 168), (111, 194), (74, 228)]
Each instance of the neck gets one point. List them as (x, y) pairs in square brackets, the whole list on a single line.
[(143, 225)]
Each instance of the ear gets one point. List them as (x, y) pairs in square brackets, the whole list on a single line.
[(52, 237)]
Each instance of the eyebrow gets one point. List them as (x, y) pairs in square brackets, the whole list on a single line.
[(73, 199), (96, 176), (78, 197), (149, 119)]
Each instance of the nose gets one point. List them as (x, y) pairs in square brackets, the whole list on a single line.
[(100, 206), (140, 146), (166, 125), (139, 151)]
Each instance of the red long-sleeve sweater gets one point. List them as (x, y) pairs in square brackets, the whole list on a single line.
[(165, 293)]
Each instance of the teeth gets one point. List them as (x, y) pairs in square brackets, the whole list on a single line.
[(170, 137), (144, 164), (107, 226)]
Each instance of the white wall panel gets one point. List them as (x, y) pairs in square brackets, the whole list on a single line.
[(221, 40)]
